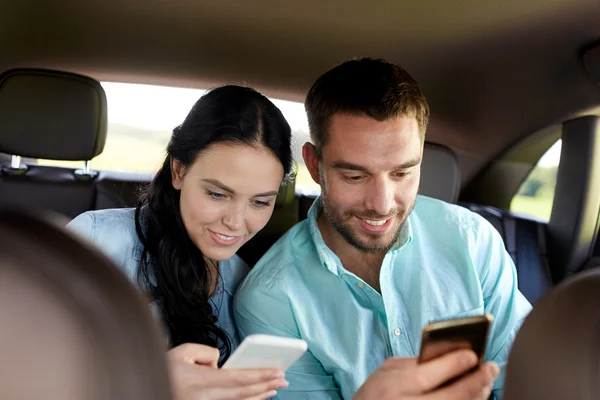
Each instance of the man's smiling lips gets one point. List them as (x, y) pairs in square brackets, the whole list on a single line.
[(377, 226)]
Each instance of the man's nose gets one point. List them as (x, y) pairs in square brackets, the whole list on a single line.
[(380, 197)]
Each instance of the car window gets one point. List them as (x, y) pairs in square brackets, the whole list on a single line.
[(140, 121), (536, 194)]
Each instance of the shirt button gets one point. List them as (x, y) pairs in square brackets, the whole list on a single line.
[(361, 285), (397, 331)]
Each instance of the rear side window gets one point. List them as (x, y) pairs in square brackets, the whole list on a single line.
[(536, 194), (140, 121)]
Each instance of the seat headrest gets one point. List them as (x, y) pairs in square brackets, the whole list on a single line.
[(287, 190), (440, 173), (73, 325), (51, 115), (555, 354)]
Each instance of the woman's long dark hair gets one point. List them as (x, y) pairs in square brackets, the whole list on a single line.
[(172, 269)]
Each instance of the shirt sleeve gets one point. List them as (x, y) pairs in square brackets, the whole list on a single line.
[(265, 310), (502, 298), (83, 225)]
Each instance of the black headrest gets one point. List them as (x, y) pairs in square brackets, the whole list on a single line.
[(557, 350), (440, 174), (52, 115)]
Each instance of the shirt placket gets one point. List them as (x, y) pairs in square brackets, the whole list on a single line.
[(372, 297), (395, 311)]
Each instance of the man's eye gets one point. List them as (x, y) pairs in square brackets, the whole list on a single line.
[(354, 178)]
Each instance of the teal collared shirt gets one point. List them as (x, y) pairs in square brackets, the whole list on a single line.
[(448, 262)]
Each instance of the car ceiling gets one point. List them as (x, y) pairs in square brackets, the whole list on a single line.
[(493, 70)]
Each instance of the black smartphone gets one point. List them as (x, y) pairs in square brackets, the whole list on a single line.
[(441, 337)]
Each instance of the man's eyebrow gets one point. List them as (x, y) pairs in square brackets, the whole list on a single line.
[(356, 167), (349, 166), (410, 163), (226, 188)]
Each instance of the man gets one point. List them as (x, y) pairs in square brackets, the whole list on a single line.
[(374, 262)]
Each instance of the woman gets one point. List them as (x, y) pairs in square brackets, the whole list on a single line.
[(215, 190)]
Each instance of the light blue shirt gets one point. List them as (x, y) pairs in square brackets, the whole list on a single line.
[(113, 232), (448, 262)]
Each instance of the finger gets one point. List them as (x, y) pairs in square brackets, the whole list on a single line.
[(246, 377), (258, 389), (264, 396), (433, 373), (396, 363), (200, 354), (485, 394), (193, 353), (470, 386)]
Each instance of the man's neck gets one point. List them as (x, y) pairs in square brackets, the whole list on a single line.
[(366, 266)]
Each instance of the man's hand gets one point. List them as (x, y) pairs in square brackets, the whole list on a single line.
[(404, 379)]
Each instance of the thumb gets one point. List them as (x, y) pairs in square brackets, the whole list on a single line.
[(193, 353)]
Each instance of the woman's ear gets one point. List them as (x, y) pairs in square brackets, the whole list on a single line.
[(309, 153), (177, 173)]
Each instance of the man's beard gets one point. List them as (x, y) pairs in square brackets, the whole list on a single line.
[(343, 226)]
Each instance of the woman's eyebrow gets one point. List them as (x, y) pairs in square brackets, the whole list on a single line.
[(226, 188), (219, 184)]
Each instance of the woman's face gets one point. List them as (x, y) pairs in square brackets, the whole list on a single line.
[(227, 196)]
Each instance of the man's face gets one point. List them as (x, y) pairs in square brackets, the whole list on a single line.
[(369, 175)]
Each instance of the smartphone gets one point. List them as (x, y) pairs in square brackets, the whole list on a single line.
[(266, 351), (441, 337)]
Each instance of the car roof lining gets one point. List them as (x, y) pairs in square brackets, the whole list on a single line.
[(493, 71)]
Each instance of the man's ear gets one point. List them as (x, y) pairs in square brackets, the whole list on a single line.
[(177, 173), (309, 153)]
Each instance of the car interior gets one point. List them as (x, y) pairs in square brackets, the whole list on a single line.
[(505, 80)]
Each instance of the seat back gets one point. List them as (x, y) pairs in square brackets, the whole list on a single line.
[(50, 115), (525, 241), (556, 354), (440, 173), (73, 326), (115, 189)]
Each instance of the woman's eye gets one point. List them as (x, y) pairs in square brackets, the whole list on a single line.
[(261, 204), (216, 195)]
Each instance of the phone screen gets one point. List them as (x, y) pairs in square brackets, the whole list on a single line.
[(442, 340), (443, 337)]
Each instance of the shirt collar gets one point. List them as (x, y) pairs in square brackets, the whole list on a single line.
[(327, 257)]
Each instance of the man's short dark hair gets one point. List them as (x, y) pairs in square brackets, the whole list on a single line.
[(366, 86)]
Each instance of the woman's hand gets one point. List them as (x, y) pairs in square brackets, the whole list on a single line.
[(194, 375)]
